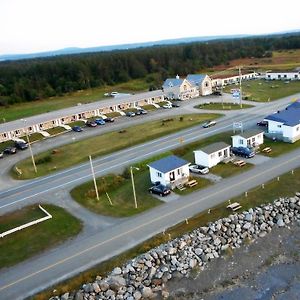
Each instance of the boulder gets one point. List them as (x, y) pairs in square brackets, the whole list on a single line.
[(96, 287), (104, 286), (137, 295), (116, 271), (147, 292), (280, 222), (65, 296)]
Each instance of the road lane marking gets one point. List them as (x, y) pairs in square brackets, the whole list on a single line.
[(146, 224)]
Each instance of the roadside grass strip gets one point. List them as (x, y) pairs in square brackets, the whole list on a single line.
[(222, 106), (32, 240), (288, 185)]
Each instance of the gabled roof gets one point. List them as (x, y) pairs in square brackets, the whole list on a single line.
[(170, 82), (290, 116), (196, 79), (215, 147), (168, 164), (250, 133)]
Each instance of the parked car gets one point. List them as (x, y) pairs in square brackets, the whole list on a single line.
[(91, 124), (114, 94), (77, 128), (243, 151), (100, 122), (209, 124), (217, 93), (10, 150), (262, 123), (141, 111), (109, 120), (1, 154), (160, 190), (21, 145), (175, 104), (130, 114), (168, 105), (198, 169)]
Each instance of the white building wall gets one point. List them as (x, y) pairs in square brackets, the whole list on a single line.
[(211, 160), (274, 126), (283, 76), (239, 141), (206, 87)]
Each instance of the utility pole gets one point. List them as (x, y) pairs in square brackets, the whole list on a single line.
[(29, 145), (241, 94), (94, 178), (133, 186)]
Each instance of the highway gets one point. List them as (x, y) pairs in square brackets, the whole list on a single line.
[(82, 252)]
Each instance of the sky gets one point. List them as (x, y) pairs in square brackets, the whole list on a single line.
[(29, 26)]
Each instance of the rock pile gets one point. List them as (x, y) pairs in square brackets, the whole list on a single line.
[(144, 276)]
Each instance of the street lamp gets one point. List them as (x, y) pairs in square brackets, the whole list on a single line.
[(94, 177), (29, 145), (133, 186)]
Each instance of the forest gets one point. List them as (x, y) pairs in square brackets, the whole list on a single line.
[(33, 79)]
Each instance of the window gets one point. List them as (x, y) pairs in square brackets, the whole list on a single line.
[(269, 76), (297, 129), (158, 174), (220, 153), (241, 141), (296, 76), (285, 76), (279, 76), (279, 126), (253, 139), (178, 171)]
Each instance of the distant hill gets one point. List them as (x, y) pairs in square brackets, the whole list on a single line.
[(74, 50)]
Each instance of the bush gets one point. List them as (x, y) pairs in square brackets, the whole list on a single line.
[(43, 160)]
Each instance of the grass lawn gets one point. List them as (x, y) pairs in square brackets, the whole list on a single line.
[(24, 110), (34, 137), (56, 130), (149, 107), (77, 123), (72, 154), (120, 191), (113, 114), (202, 183), (287, 186), (229, 169), (24, 244), (6, 144), (224, 106), (263, 90), (278, 147)]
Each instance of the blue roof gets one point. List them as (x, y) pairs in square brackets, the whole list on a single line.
[(170, 82), (290, 116), (168, 164), (195, 79)]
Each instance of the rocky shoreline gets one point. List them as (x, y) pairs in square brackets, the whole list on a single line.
[(147, 276)]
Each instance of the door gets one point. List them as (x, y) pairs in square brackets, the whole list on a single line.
[(172, 176)]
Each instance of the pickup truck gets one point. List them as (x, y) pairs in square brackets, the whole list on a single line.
[(243, 151)]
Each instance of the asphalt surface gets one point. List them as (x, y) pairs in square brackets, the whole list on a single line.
[(95, 245)]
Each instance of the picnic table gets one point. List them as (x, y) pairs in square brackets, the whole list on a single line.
[(234, 206), (191, 183), (266, 150), (239, 163)]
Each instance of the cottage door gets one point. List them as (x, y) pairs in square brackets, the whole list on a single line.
[(172, 176)]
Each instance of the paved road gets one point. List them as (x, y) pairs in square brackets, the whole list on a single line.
[(85, 250)]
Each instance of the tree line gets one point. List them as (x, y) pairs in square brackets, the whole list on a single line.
[(33, 79)]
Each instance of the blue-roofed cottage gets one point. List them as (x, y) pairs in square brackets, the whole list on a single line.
[(285, 124), (202, 82), (169, 171), (181, 89)]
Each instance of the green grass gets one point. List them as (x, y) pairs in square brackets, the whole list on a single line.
[(120, 191), (56, 130), (224, 106), (229, 169), (34, 137), (3, 145), (72, 154), (24, 244), (278, 147), (24, 110), (77, 123), (149, 107), (287, 186), (113, 114), (263, 90), (202, 183)]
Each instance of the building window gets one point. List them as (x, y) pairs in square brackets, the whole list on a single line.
[(253, 139), (296, 76), (269, 76), (158, 174), (241, 141), (220, 153), (178, 171), (297, 129), (279, 126)]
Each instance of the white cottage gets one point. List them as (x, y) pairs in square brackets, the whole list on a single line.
[(251, 138), (211, 155), (181, 89), (285, 124), (282, 75), (169, 171), (202, 83)]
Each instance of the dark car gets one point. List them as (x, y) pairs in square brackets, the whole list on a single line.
[(209, 124), (109, 120), (100, 122), (174, 104), (91, 124), (77, 128), (160, 189), (10, 150), (262, 123), (21, 145), (243, 151), (217, 93), (130, 114)]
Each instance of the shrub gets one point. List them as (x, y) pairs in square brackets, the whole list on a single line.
[(43, 160)]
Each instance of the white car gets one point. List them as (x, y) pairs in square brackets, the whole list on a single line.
[(114, 94), (168, 105), (198, 169)]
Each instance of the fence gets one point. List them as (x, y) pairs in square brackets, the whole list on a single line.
[(48, 216)]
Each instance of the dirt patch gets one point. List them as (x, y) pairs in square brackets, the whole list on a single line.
[(268, 268)]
